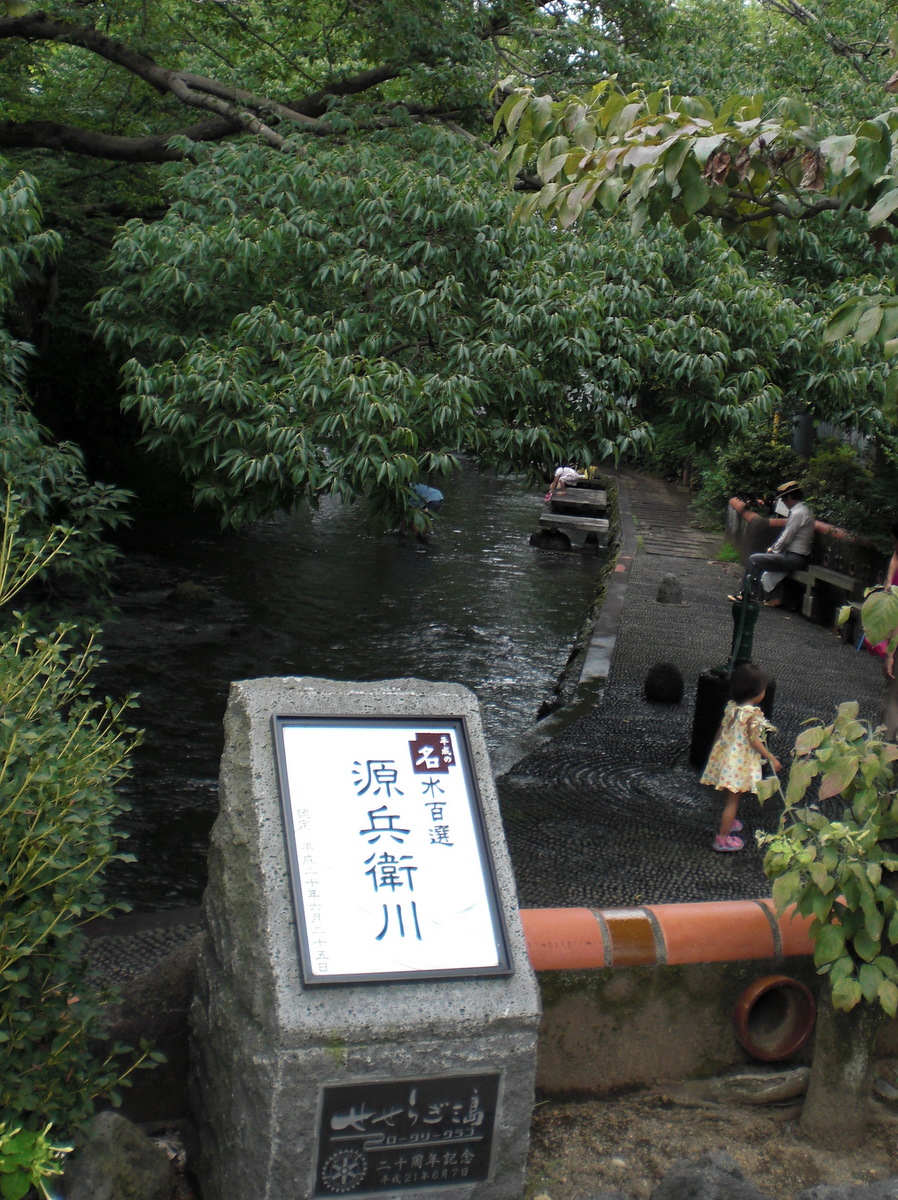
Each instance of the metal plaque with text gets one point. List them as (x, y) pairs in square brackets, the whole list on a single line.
[(406, 1134)]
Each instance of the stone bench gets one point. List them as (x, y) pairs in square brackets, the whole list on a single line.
[(825, 591)]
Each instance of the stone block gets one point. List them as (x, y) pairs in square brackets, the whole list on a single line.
[(268, 1050)]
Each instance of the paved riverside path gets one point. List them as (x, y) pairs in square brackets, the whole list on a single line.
[(609, 812)]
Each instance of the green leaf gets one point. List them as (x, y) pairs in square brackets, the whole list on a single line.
[(838, 778), (786, 889), (868, 325), (846, 994), (809, 739), (871, 979), (867, 947), (887, 993), (829, 944), (883, 208)]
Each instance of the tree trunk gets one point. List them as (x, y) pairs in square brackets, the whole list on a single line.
[(836, 1108)]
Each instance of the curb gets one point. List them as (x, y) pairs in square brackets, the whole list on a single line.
[(597, 663)]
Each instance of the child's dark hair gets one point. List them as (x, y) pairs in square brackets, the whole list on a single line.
[(746, 682)]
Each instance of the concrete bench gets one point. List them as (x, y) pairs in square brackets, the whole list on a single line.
[(581, 499), (567, 521), (825, 591)]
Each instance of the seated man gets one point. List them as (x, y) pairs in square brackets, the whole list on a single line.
[(790, 552)]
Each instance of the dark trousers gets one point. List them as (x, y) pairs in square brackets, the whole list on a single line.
[(783, 560)]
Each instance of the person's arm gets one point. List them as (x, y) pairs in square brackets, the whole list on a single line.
[(785, 538), (758, 746), (888, 663), (891, 571)]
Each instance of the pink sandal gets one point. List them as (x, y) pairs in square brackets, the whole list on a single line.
[(730, 842), (736, 826)]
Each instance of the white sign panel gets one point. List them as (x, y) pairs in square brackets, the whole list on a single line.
[(390, 865)]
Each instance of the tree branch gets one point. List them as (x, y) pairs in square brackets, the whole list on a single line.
[(794, 11), (231, 109), (53, 135)]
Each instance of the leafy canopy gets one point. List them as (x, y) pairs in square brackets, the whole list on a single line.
[(348, 319), (757, 168)]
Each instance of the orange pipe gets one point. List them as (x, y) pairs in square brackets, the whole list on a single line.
[(575, 939)]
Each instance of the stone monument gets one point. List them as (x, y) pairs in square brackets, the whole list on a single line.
[(366, 1016)]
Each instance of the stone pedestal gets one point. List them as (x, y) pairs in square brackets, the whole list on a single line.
[(400, 1087)]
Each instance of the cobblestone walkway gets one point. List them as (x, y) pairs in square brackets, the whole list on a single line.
[(609, 813)]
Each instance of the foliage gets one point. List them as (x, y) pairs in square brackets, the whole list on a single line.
[(212, 71), (851, 490), (349, 323), (747, 165), (50, 481), (750, 467), (62, 753), (841, 871), (879, 615), (27, 1159), (670, 451)]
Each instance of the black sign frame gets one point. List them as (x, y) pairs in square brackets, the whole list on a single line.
[(457, 724)]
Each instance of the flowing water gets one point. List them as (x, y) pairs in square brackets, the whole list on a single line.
[(317, 594)]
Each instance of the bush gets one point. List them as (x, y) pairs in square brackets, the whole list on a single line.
[(671, 451), (62, 753), (844, 489), (750, 467), (27, 1160)]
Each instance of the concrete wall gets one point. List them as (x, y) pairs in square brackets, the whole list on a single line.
[(605, 1030)]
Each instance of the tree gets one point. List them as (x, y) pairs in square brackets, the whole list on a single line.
[(278, 75), (62, 751), (746, 166), (49, 481), (840, 868), (347, 319)]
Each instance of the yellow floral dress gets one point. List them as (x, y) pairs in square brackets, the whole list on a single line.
[(733, 766)]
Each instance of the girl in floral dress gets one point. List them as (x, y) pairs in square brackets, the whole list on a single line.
[(735, 762)]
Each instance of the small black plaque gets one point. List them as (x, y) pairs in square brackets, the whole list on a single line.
[(406, 1134)]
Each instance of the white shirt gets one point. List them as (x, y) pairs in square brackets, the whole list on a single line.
[(798, 536)]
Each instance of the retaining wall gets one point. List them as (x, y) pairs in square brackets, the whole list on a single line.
[(648, 995)]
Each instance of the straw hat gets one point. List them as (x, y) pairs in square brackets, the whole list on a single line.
[(786, 489)]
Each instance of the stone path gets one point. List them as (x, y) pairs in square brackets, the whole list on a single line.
[(609, 812)]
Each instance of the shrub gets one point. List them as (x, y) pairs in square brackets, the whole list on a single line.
[(750, 467), (838, 871), (27, 1159), (843, 488), (62, 753), (671, 451)]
